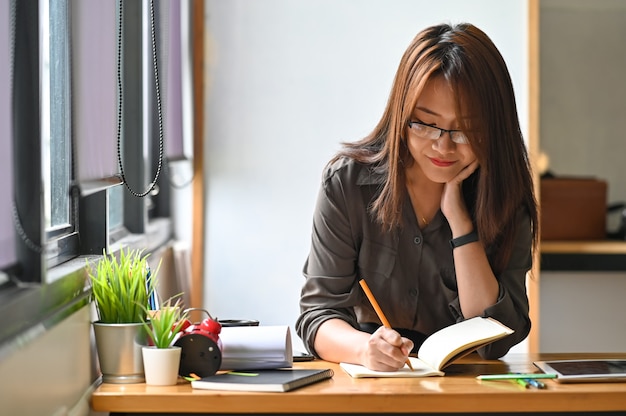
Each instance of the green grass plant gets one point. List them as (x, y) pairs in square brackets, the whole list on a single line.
[(165, 323), (119, 287)]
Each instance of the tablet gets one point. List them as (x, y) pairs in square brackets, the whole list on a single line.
[(585, 370), (299, 356)]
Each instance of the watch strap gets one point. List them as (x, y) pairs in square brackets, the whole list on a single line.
[(464, 239)]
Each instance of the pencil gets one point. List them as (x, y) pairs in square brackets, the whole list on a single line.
[(379, 311)]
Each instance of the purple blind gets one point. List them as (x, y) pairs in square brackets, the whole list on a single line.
[(94, 88)]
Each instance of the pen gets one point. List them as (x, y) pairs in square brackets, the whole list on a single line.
[(153, 298), (535, 383), (515, 376), (522, 382), (379, 311), (150, 295)]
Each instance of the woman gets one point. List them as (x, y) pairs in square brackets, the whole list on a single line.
[(435, 209)]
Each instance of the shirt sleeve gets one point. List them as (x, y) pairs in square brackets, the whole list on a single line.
[(512, 307), (333, 249)]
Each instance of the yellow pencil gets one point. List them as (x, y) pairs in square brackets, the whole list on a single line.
[(379, 311)]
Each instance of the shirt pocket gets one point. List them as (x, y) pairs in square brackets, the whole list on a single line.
[(375, 260)]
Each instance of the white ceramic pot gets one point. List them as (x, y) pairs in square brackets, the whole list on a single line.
[(161, 365)]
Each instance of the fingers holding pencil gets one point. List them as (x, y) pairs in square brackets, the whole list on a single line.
[(379, 312), (394, 347)]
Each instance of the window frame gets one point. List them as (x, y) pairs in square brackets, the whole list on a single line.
[(50, 280)]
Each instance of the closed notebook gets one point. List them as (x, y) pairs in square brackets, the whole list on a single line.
[(273, 380)]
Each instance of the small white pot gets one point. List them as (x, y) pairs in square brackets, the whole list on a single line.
[(161, 365)]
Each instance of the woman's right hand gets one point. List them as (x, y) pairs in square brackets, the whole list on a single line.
[(452, 203), (386, 350)]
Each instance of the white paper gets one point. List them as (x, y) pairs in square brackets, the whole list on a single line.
[(256, 347)]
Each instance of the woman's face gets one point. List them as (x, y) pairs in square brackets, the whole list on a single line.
[(439, 159)]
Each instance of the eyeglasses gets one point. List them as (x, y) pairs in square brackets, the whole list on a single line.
[(426, 131)]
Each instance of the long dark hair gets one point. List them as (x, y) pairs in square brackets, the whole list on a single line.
[(470, 62)]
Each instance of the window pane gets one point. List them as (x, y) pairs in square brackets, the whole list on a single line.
[(116, 208), (56, 133), (7, 231), (60, 132)]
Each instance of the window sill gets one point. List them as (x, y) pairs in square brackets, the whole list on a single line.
[(30, 310)]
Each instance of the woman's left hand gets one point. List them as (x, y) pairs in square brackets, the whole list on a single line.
[(452, 203)]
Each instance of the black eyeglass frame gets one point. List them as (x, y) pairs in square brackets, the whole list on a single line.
[(454, 137)]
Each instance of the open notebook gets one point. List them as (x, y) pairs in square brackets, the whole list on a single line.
[(442, 348)]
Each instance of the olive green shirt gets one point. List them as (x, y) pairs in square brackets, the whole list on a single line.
[(410, 271)]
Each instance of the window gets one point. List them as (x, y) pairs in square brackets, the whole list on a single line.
[(7, 237), (56, 113), (59, 101), (56, 135)]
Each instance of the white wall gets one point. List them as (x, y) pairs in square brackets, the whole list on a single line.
[(287, 81), (582, 311)]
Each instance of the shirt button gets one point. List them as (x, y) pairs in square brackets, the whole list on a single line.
[(417, 240), (413, 292)]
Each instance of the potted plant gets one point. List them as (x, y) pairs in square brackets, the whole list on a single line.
[(121, 287), (161, 360)]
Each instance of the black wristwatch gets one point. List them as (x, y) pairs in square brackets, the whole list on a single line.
[(464, 239)]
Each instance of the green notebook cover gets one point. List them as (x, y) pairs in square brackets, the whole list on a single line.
[(274, 380)]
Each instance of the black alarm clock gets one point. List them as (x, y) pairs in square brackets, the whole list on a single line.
[(201, 347)]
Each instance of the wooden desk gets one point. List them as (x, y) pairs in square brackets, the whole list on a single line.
[(457, 392)]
